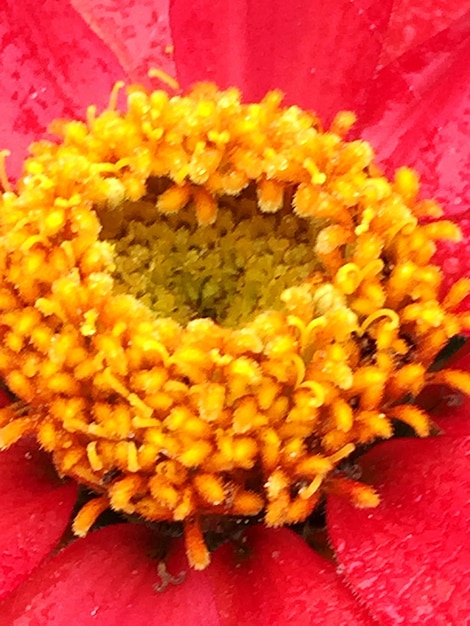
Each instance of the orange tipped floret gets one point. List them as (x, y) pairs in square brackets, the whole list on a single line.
[(196, 549), (4, 182), (88, 515), (361, 495), (206, 306), (14, 431)]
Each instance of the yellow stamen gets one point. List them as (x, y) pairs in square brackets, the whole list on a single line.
[(113, 98), (414, 417), (14, 431), (359, 494), (206, 306), (4, 182), (198, 554), (166, 79), (88, 515)]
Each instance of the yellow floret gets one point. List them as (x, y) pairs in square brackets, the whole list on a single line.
[(206, 306)]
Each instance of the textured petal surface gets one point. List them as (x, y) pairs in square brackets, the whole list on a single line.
[(409, 558), (282, 582), (453, 257), (52, 65), (108, 578), (137, 32), (414, 21), (36, 509), (321, 54), (453, 416), (419, 114)]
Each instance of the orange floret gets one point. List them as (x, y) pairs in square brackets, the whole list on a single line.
[(206, 306)]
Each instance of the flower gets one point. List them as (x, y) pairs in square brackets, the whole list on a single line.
[(281, 533)]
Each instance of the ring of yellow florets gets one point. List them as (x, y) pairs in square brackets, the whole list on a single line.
[(176, 421)]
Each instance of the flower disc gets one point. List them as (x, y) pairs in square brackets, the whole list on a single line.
[(206, 306)]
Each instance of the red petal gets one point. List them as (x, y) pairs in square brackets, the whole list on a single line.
[(282, 582), (409, 558), (413, 22), (454, 259), (108, 578), (453, 415), (137, 32), (321, 54), (36, 509), (52, 65), (419, 115)]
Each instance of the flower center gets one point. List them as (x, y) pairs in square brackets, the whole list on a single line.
[(206, 306), (229, 270)]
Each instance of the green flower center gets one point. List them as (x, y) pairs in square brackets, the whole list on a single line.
[(230, 270)]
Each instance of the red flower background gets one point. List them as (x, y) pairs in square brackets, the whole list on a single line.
[(403, 67)]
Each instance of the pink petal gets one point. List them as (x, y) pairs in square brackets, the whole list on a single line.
[(137, 32), (36, 509), (409, 558), (108, 579), (321, 54), (412, 22), (419, 115), (52, 65)]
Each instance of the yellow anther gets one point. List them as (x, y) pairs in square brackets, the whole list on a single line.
[(457, 293), (307, 492), (299, 365), (14, 431), (113, 96), (316, 177), (196, 549), (166, 79), (88, 515), (341, 454), (392, 318), (91, 116), (343, 122), (132, 458), (93, 457), (317, 324), (454, 378), (317, 390), (343, 415), (407, 183), (174, 199), (4, 182), (414, 417), (210, 488), (348, 278), (359, 494), (367, 217), (270, 195)]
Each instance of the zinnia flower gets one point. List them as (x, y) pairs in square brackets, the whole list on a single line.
[(221, 409)]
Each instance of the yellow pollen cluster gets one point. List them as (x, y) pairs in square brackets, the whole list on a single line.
[(229, 270), (140, 358)]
